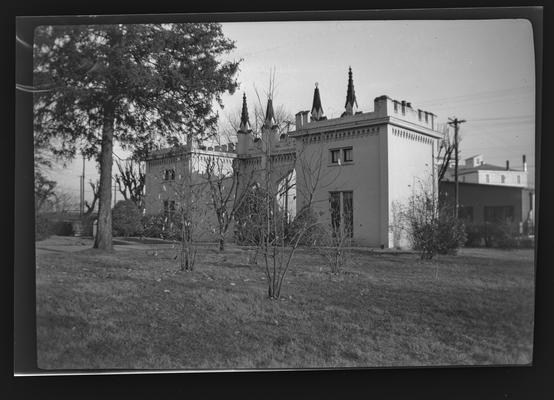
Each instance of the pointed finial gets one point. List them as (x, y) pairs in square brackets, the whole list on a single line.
[(244, 120), (317, 110), (350, 95), (269, 114)]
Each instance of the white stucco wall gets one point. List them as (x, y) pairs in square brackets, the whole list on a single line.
[(362, 177), (156, 188), (410, 171)]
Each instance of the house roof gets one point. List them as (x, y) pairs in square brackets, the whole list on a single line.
[(483, 167)]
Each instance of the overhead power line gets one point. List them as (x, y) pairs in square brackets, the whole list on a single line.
[(478, 95)]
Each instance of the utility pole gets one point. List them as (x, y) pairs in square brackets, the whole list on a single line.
[(455, 122), (82, 203)]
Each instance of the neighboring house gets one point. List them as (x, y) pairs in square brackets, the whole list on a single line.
[(475, 170), (493, 203), (491, 193), (367, 163)]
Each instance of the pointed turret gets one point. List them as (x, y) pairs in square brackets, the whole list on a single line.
[(351, 104), (244, 134), (269, 121), (317, 110), (244, 120)]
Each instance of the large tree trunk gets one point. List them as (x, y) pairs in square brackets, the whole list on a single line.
[(103, 239)]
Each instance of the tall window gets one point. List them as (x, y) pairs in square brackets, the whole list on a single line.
[(342, 216), (488, 178), (169, 208), (335, 155), (334, 199), (503, 178), (348, 213), (518, 179), (347, 154)]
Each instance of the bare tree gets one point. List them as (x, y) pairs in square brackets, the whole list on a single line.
[(185, 217), (63, 201), (446, 151), (429, 225), (192, 213), (90, 207), (267, 224), (224, 181), (45, 191), (130, 181), (332, 241)]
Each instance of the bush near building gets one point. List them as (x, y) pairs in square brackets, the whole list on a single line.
[(442, 235), (161, 226), (126, 219), (432, 227), (499, 235)]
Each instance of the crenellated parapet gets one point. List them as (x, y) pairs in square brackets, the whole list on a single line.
[(384, 106)]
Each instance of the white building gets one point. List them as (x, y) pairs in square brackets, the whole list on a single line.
[(475, 170), (370, 162)]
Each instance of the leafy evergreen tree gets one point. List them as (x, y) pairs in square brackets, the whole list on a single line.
[(138, 85)]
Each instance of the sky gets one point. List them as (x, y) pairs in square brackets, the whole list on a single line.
[(481, 71)]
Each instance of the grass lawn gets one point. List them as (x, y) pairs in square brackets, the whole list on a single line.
[(134, 309)]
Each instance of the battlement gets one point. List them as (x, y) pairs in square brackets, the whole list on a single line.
[(384, 106)]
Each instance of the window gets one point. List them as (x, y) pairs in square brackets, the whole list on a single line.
[(347, 214), (487, 178), (347, 154), (169, 174), (169, 207), (335, 155), (518, 179), (499, 214), (334, 199), (502, 178)]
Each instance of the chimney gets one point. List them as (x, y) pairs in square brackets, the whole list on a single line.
[(524, 164), (305, 117), (298, 120), (507, 165)]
